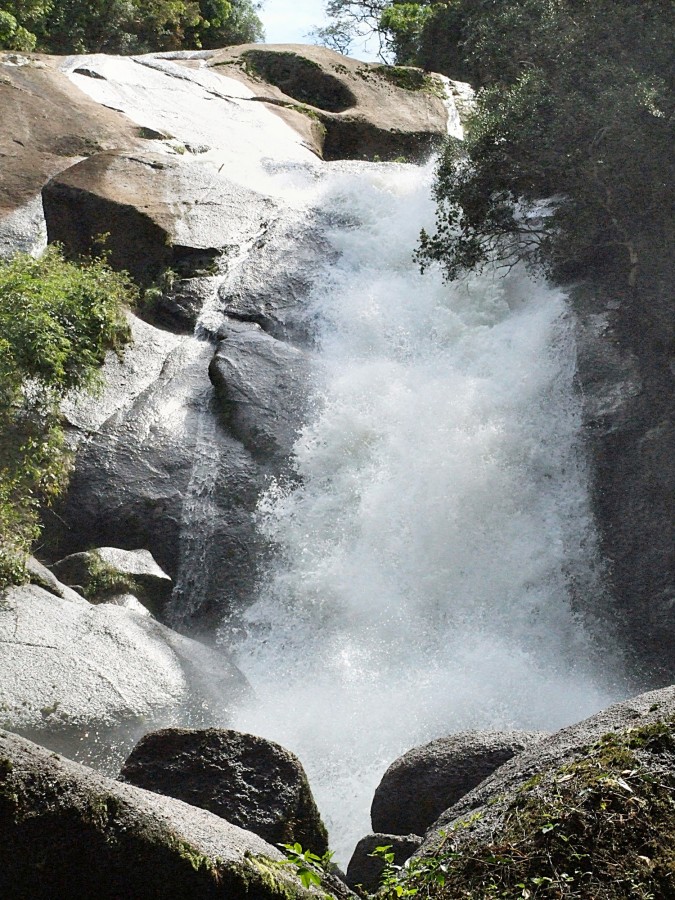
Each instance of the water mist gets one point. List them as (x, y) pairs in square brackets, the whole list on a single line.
[(425, 555)]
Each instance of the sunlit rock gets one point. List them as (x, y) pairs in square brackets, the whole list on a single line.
[(69, 670)]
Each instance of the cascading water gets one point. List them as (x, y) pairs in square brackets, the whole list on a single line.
[(431, 550), (426, 557)]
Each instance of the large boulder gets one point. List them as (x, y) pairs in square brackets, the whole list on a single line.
[(156, 212), (85, 678), (69, 832), (586, 812), (368, 111), (366, 867), (247, 780), (47, 124), (425, 781), (107, 571)]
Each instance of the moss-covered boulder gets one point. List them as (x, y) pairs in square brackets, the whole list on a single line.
[(587, 813), (246, 779), (109, 571), (364, 110), (69, 832)]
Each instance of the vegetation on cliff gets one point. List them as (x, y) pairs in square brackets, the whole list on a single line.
[(599, 826), (57, 321), (575, 106), (126, 26)]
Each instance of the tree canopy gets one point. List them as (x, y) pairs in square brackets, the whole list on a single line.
[(575, 107), (126, 26), (57, 321)]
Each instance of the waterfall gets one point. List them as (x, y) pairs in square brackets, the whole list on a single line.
[(434, 540), (426, 557)]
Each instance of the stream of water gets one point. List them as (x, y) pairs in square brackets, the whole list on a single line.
[(426, 560), (433, 550)]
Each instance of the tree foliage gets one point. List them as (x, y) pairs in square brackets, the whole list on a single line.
[(576, 106), (126, 26), (57, 321)]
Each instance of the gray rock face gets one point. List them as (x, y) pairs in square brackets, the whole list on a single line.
[(551, 753), (627, 380), (136, 474), (158, 212), (44, 578), (67, 831), (247, 780), (367, 110), (365, 870), (106, 570), (69, 668), (260, 383), (292, 253), (426, 780)]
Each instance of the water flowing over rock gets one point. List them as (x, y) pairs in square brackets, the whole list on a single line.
[(68, 831), (368, 484), (247, 780)]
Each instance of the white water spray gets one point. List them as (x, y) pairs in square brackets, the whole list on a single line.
[(427, 554), (424, 561)]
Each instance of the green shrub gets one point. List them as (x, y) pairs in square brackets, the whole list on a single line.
[(58, 319)]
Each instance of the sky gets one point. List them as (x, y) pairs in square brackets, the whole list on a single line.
[(290, 21)]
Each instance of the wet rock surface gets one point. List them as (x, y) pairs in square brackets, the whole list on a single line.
[(627, 380), (260, 385), (135, 471), (426, 780), (247, 780), (68, 831), (292, 252)]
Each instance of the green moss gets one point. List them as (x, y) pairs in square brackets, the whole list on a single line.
[(411, 79), (262, 64), (105, 580), (266, 872), (601, 827), (198, 861)]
